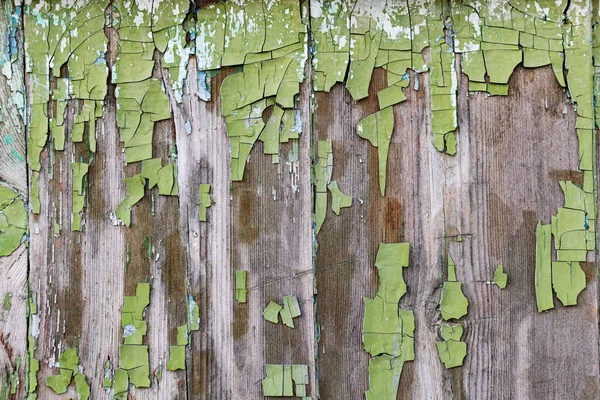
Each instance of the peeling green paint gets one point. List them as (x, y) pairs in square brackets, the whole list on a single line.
[(271, 313), (285, 380), (568, 280), (451, 350), (13, 221), (241, 292), (378, 128), (543, 268), (290, 310), (134, 365), (32, 365), (339, 200), (388, 331), (205, 201), (177, 358), (500, 277), (453, 304), (69, 370)]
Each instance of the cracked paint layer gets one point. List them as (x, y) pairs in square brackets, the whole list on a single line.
[(268, 40), (289, 311), (71, 36), (388, 331), (453, 304), (134, 365), (70, 370), (286, 380), (32, 365), (13, 220), (177, 353), (451, 350), (322, 171)]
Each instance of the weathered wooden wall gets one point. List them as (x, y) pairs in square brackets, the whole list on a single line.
[(512, 151)]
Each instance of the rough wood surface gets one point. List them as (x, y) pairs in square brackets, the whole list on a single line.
[(512, 151)]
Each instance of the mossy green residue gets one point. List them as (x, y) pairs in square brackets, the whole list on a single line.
[(7, 303)]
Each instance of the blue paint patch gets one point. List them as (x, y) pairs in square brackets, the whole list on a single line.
[(17, 155), (203, 86), (101, 60), (188, 127)]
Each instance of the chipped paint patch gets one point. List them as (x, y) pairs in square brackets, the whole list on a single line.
[(388, 331)]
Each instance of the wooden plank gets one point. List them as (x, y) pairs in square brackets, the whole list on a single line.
[(13, 173), (512, 153), (348, 243)]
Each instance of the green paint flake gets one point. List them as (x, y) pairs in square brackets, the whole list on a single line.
[(271, 313), (322, 177), (290, 310), (205, 201), (241, 292), (451, 350), (390, 96), (285, 380), (80, 171), (83, 388), (543, 268), (388, 331), (182, 335), (568, 280), (500, 277), (134, 191), (270, 134), (121, 382), (68, 363), (363, 53), (339, 200), (177, 358), (378, 128), (13, 221), (384, 377), (167, 180), (133, 356), (150, 170), (453, 304), (7, 304)]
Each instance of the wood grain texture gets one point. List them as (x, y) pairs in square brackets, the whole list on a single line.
[(512, 151), (13, 173)]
